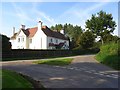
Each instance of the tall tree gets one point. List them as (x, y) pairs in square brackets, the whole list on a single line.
[(87, 39), (76, 35), (101, 24), (73, 32)]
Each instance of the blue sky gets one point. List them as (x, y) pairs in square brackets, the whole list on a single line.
[(50, 13)]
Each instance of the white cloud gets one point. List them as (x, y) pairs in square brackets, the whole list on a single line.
[(21, 14), (40, 15), (33, 16), (78, 15)]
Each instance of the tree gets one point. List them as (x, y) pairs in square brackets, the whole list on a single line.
[(52, 28), (76, 35), (57, 27), (110, 38), (73, 32), (6, 45), (101, 24), (87, 39)]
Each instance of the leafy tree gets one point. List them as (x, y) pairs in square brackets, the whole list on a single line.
[(110, 38), (73, 32), (101, 24), (87, 39), (6, 45), (52, 28), (76, 35), (57, 27)]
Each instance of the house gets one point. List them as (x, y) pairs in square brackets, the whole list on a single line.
[(40, 37)]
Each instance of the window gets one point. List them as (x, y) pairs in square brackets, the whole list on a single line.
[(56, 41), (18, 39), (22, 39), (30, 40), (51, 40)]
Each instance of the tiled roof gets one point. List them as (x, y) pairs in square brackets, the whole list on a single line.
[(55, 34), (30, 32)]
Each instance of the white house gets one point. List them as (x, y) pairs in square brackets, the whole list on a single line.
[(40, 37)]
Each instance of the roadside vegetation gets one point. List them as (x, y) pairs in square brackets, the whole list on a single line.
[(58, 61), (109, 55), (13, 80)]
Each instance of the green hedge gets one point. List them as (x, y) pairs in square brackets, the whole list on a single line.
[(109, 55)]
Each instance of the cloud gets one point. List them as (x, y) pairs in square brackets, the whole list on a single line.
[(44, 16), (21, 14), (34, 15), (78, 15), (40, 15)]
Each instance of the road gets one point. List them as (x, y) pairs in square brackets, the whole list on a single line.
[(84, 72)]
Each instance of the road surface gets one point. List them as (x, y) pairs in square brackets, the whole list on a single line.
[(84, 72)]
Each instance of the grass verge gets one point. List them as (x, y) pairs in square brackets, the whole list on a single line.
[(13, 80), (109, 55), (58, 61)]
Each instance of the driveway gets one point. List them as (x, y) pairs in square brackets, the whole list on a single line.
[(84, 72)]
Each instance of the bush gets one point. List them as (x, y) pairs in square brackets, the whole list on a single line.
[(109, 55)]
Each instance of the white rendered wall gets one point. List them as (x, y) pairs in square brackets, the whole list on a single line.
[(21, 44), (54, 41), (39, 41)]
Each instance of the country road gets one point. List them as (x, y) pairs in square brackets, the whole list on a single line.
[(84, 72)]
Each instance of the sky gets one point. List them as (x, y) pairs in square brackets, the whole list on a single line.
[(50, 13)]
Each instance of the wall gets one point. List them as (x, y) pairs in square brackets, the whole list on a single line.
[(54, 41), (21, 44)]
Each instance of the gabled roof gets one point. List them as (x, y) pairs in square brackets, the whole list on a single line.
[(30, 32)]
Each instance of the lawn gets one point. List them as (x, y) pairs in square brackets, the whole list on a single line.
[(11, 79), (56, 61)]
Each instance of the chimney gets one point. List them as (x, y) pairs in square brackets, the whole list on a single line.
[(22, 26), (39, 25), (13, 30), (62, 32)]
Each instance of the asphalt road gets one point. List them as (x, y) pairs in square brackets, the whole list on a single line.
[(84, 72)]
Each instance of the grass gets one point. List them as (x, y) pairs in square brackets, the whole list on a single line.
[(108, 55), (56, 61), (11, 79)]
